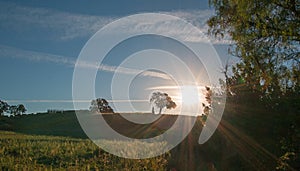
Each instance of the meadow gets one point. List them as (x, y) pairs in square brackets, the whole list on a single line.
[(248, 138), (28, 152)]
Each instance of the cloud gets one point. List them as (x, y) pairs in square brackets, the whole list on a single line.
[(71, 101), (68, 26), (46, 101), (165, 25), (65, 25), (122, 70), (164, 88), (173, 87), (198, 18), (11, 52)]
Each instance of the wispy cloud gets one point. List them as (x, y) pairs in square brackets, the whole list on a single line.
[(46, 101), (173, 27), (11, 52), (164, 88), (199, 18), (72, 101), (122, 70), (67, 26), (173, 87)]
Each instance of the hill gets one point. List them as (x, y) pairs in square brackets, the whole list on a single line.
[(249, 137), (66, 124), (57, 124)]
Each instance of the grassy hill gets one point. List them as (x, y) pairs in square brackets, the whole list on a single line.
[(57, 124), (248, 138), (66, 124)]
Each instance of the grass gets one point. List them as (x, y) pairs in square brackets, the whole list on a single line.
[(248, 138), (65, 124), (27, 152)]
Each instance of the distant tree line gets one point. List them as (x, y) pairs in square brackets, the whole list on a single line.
[(11, 109)]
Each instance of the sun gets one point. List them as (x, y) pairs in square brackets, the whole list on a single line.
[(189, 95)]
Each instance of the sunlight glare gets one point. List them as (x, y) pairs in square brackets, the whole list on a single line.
[(189, 95)]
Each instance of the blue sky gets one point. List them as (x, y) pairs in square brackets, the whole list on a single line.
[(41, 40)]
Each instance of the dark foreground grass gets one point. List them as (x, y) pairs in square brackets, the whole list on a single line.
[(27, 152)]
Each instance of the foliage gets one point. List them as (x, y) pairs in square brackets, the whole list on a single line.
[(282, 113), (12, 109), (290, 149), (17, 109), (100, 105), (21, 108), (161, 100), (3, 107), (208, 98), (25, 152), (266, 36)]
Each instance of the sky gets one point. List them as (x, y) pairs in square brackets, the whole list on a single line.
[(41, 41)]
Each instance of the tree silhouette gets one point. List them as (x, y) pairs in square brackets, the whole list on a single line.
[(3, 107), (13, 110), (100, 105), (21, 109), (17, 109), (208, 98), (161, 100)]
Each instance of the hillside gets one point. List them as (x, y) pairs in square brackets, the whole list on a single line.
[(248, 137), (57, 124), (66, 124)]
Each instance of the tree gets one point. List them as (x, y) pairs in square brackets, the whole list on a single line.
[(3, 107), (266, 36), (100, 105), (208, 98), (21, 109), (13, 110), (17, 109), (161, 100)]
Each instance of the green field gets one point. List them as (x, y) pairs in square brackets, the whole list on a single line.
[(246, 139), (27, 152)]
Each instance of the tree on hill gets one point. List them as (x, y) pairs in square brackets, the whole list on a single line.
[(17, 109), (161, 100), (21, 109), (13, 110), (100, 105), (3, 107)]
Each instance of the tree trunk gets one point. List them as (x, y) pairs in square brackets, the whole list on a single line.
[(160, 110), (153, 110)]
